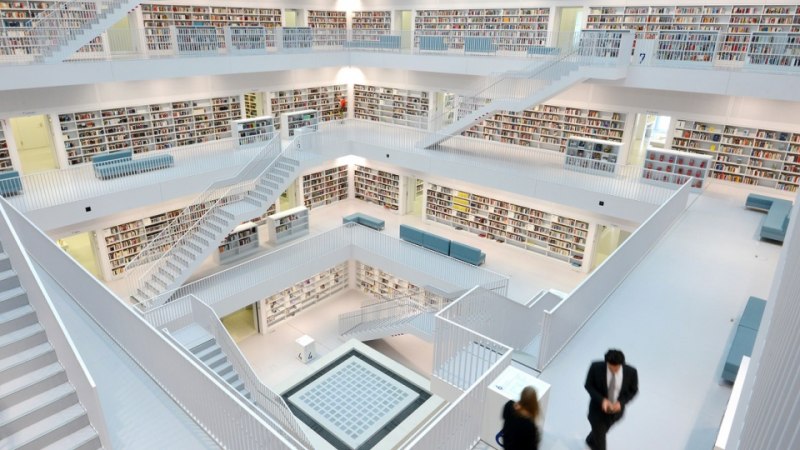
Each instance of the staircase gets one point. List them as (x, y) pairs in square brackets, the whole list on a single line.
[(171, 261), (520, 90), (61, 31), (460, 369), (39, 408), (390, 318), (203, 346)]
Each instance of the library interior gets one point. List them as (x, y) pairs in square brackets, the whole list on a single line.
[(357, 224)]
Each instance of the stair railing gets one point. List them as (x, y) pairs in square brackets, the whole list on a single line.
[(390, 309), (210, 195), (251, 174), (270, 402), (63, 23), (594, 47)]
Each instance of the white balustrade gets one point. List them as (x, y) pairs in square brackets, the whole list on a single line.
[(563, 321)]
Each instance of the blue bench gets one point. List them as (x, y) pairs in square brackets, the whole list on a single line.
[(479, 45), (442, 245), (119, 164), (432, 44), (363, 219), (777, 221), (542, 50), (386, 42), (10, 183), (745, 338)]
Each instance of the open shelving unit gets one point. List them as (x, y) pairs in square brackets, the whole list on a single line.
[(5, 156), (383, 285), (368, 25), (146, 128), (549, 234), (242, 241), (775, 49), (288, 225), (377, 186), (330, 27), (592, 154), (511, 29), (673, 167), (326, 186), (323, 99), (742, 154), (300, 296), (549, 126), (254, 130), (404, 107), (687, 46), (16, 18), (158, 18), (292, 121)]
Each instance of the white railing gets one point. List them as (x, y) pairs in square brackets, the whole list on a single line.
[(216, 194), (58, 187), (334, 139), (563, 321), (223, 416), (495, 316), (459, 425), (270, 402), (329, 248), (77, 373), (387, 313)]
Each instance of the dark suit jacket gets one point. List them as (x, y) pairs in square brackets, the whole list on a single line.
[(597, 387)]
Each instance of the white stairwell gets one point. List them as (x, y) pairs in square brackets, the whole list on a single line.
[(203, 346), (60, 31), (39, 408), (169, 264), (597, 56), (389, 318)]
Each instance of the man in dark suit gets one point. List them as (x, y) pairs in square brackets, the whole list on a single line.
[(611, 384)]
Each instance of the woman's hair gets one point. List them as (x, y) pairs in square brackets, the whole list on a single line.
[(528, 401)]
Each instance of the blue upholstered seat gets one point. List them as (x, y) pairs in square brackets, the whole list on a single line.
[(10, 183), (363, 219), (119, 164), (432, 43), (776, 223), (745, 338), (479, 45), (442, 245)]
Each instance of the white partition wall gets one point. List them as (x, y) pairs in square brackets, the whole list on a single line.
[(562, 322), (767, 414)]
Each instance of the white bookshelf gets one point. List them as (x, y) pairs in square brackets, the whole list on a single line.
[(549, 234), (324, 99), (146, 128), (383, 285), (5, 156), (592, 154), (511, 29), (158, 18), (325, 187), (291, 121), (549, 126), (774, 49), (253, 130), (404, 107), (242, 241), (300, 296), (741, 154), (377, 186), (288, 225), (673, 167), (330, 27), (367, 25), (687, 46)]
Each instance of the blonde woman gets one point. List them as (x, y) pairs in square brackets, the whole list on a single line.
[(519, 429)]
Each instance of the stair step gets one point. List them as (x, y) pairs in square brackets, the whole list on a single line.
[(49, 430), (27, 361), (225, 370), (31, 383), (21, 339), (5, 263), (215, 359), (36, 408), (12, 299), (84, 439), (8, 280), (17, 318)]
